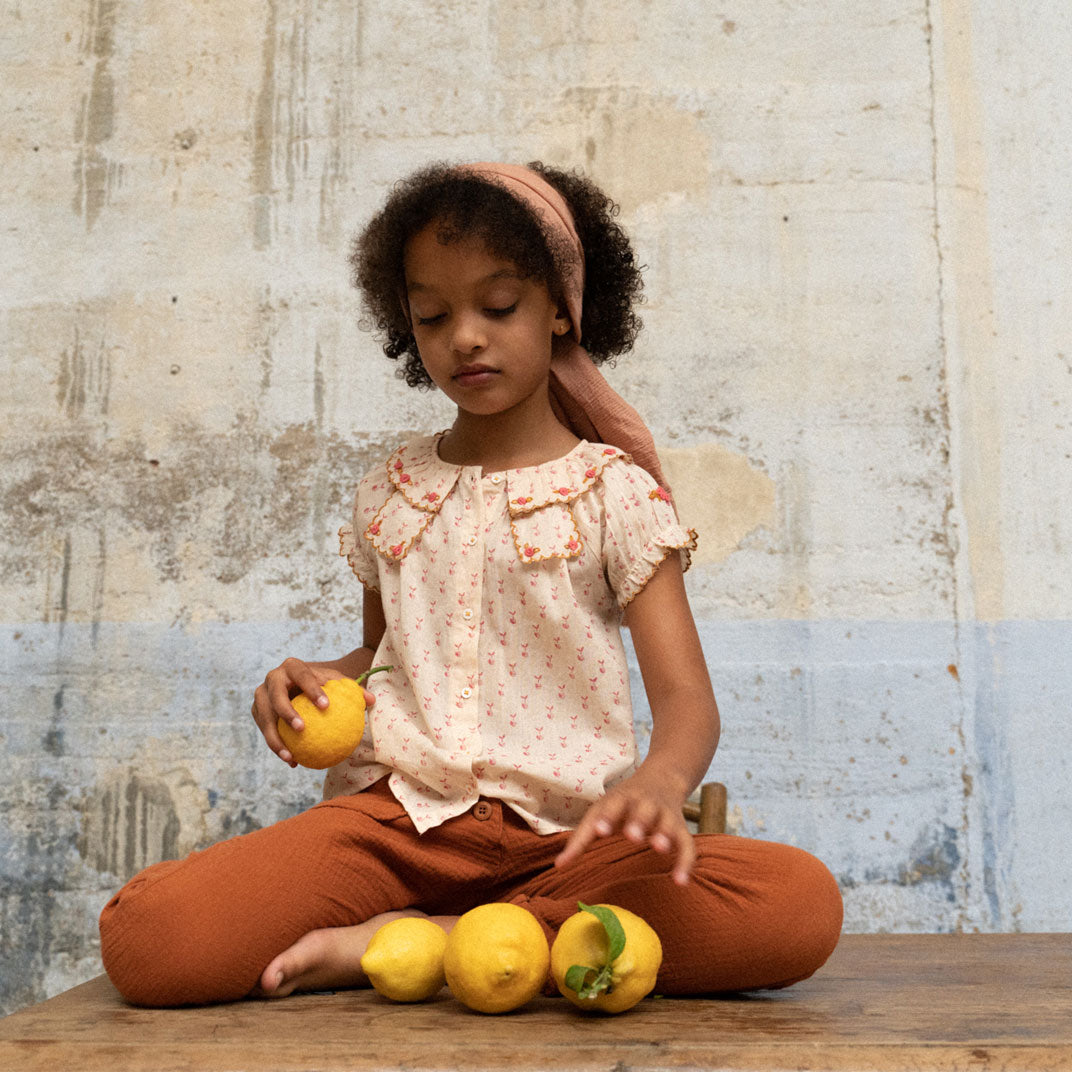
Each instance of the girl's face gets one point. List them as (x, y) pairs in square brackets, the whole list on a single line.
[(483, 331)]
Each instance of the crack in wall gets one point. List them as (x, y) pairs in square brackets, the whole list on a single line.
[(966, 331)]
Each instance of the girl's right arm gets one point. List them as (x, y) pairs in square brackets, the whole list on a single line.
[(271, 700)]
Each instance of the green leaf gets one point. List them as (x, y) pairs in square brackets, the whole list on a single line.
[(586, 981), (615, 934), (576, 976)]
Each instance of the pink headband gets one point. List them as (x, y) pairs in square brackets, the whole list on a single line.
[(580, 395), (552, 210)]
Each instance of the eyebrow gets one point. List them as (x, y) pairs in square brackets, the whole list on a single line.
[(502, 273)]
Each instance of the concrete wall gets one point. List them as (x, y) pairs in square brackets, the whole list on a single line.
[(857, 358)]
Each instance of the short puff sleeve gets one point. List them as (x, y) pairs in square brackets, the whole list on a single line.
[(354, 546), (642, 528)]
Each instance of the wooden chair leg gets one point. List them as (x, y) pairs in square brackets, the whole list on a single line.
[(710, 814), (712, 808)]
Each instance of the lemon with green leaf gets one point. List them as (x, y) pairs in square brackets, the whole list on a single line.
[(605, 957)]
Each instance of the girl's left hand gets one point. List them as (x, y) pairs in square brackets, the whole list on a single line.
[(642, 808)]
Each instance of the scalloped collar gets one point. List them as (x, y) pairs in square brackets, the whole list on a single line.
[(421, 477)]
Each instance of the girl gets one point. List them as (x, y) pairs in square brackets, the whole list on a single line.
[(499, 559)]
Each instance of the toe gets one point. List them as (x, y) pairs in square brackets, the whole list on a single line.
[(271, 979)]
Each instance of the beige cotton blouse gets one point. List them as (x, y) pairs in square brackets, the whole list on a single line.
[(503, 595)]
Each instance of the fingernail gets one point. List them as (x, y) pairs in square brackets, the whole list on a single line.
[(603, 827), (660, 843), (321, 701), (297, 724)]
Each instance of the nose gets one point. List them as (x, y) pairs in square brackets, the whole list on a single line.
[(468, 335)]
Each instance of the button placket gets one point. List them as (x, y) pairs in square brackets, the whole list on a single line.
[(468, 581)]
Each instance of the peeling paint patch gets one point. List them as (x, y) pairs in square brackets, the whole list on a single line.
[(935, 857), (720, 494), (197, 511)]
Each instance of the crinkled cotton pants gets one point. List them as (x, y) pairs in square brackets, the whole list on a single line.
[(754, 914)]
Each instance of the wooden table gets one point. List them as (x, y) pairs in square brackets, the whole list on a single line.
[(882, 1002)]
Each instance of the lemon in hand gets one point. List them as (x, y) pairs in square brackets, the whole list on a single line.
[(404, 959), (331, 734), (605, 958), (496, 958)]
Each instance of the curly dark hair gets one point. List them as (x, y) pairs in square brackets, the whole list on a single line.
[(463, 204)]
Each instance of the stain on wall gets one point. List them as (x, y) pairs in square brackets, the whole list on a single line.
[(720, 494), (642, 145), (84, 378), (132, 819), (95, 174), (264, 119)]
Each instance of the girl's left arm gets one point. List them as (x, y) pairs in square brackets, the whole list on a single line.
[(685, 729)]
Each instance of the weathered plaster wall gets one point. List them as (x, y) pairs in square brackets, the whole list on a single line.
[(857, 360)]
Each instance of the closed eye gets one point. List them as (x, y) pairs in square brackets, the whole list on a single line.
[(503, 311), (424, 321)]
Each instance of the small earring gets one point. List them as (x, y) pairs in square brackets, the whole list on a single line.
[(561, 329)]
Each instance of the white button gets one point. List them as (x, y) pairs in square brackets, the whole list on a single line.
[(471, 541), (496, 478), (467, 615), (466, 693)]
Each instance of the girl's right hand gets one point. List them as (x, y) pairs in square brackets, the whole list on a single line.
[(271, 700)]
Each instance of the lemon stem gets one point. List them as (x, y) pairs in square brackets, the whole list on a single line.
[(368, 673)]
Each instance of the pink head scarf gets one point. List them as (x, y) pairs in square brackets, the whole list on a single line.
[(580, 395)]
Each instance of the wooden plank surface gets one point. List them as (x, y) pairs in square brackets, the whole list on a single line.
[(883, 1002)]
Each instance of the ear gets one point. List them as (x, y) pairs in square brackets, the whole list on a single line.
[(563, 325)]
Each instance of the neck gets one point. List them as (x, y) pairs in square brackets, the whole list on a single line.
[(513, 439)]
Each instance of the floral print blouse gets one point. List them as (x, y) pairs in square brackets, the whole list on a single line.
[(503, 595)]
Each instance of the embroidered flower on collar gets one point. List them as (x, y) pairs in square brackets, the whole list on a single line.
[(540, 497), (559, 481), (421, 483)]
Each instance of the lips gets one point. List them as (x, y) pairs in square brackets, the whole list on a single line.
[(473, 375)]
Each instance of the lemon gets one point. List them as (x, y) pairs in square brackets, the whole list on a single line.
[(584, 969), (331, 734), (496, 958), (404, 959)]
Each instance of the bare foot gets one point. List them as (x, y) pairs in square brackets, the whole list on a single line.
[(328, 959)]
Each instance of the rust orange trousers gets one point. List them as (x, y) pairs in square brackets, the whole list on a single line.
[(754, 914)]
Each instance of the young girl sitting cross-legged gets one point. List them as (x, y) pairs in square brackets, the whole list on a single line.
[(500, 560)]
